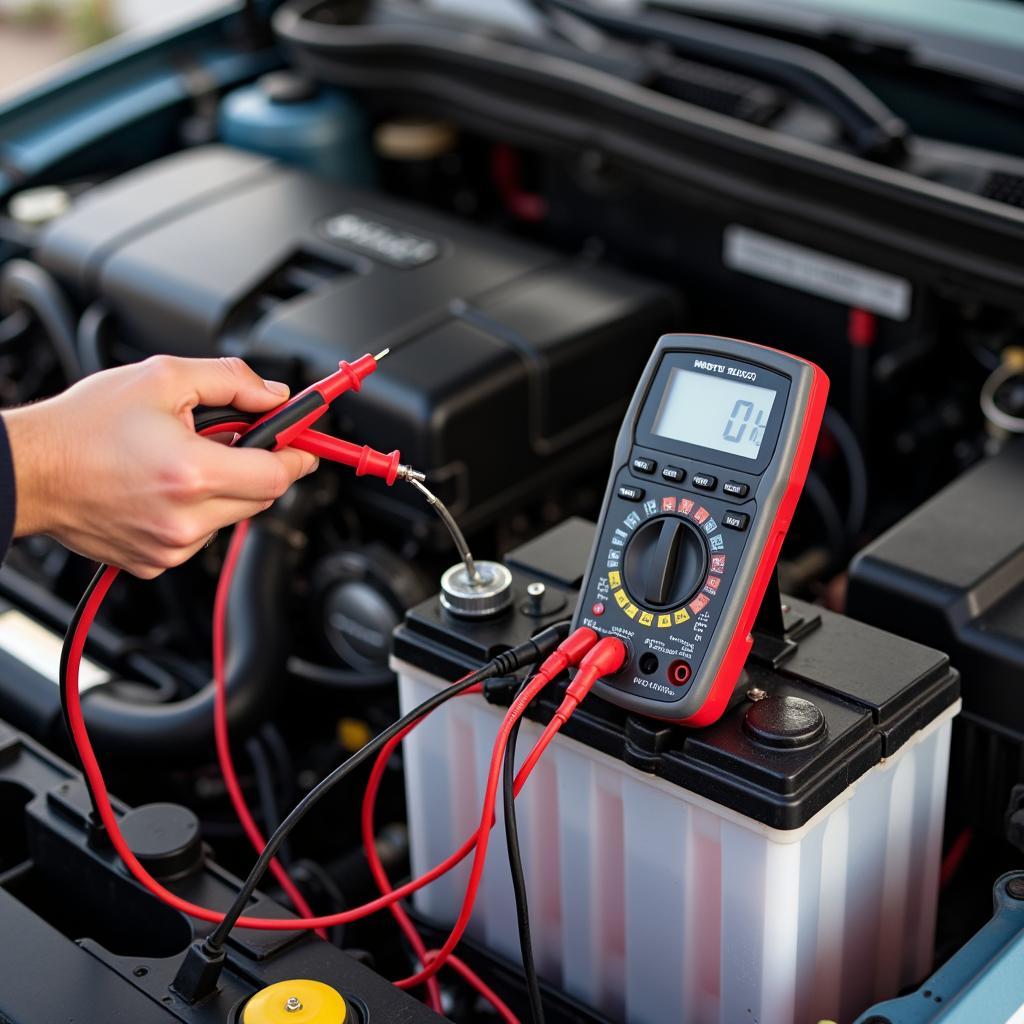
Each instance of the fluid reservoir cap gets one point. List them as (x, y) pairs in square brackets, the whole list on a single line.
[(358, 621), (287, 87), (468, 599), (784, 722), (165, 837), (34, 207), (301, 1001), (414, 138)]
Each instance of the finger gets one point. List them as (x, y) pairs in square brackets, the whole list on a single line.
[(143, 570), (226, 513), (218, 513), (249, 474), (224, 381)]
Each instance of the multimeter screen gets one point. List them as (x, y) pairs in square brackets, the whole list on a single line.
[(713, 412)]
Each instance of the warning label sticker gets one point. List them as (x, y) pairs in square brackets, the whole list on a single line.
[(816, 273)]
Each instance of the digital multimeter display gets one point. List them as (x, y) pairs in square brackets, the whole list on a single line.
[(725, 415)]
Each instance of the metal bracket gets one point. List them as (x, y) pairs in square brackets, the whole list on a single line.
[(778, 628)]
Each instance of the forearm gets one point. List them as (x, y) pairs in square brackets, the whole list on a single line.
[(36, 478), (8, 491)]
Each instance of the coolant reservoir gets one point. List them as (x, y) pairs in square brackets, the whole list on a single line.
[(287, 116)]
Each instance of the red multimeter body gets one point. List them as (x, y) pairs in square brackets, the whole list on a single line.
[(708, 468)]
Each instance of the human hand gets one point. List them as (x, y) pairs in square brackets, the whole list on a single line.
[(113, 468)]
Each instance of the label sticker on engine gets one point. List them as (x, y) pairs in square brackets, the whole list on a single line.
[(394, 245), (817, 273)]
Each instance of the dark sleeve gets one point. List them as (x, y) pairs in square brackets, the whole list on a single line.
[(6, 491)]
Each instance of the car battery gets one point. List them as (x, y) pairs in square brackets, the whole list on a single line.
[(780, 865)]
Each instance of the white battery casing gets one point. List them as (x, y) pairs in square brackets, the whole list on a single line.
[(654, 905)]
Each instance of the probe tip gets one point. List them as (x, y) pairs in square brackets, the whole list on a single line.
[(381, 354)]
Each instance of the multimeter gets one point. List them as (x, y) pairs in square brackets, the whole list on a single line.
[(708, 467)]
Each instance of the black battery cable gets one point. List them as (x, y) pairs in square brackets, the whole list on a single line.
[(515, 864)]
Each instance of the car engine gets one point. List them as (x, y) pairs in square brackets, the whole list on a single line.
[(515, 214)]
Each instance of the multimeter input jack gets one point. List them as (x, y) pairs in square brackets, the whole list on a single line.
[(648, 664), (679, 672)]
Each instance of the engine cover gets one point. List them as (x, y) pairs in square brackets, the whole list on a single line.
[(510, 365)]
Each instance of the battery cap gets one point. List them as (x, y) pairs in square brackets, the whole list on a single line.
[(778, 721), (301, 1001), (165, 838)]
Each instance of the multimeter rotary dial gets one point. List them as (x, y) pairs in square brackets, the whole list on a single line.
[(665, 563)]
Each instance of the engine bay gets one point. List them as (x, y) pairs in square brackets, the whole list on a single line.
[(515, 214)]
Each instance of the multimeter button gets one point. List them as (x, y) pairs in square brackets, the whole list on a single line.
[(642, 465), (735, 490), (631, 493), (704, 482), (735, 520), (674, 473)]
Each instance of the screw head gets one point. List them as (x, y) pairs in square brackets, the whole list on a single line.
[(536, 589), (755, 693), (1015, 887), (292, 1005)]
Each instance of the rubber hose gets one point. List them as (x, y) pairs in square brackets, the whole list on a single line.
[(258, 646), (26, 285), (89, 339)]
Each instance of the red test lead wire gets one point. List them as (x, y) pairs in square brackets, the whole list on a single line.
[(220, 726), (380, 876), (97, 787)]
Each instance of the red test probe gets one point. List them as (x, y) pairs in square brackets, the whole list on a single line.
[(281, 426), (288, 426)]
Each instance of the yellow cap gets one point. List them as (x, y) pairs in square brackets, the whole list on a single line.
[(353, 734), (296, 1002), (1013, 356)]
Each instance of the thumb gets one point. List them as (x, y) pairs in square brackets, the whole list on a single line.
[(230, 381)]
